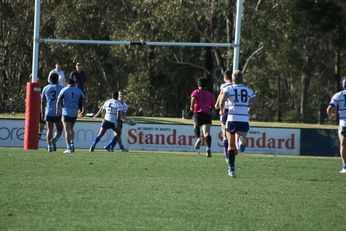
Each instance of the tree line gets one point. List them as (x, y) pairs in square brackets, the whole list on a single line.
[(292, 52)]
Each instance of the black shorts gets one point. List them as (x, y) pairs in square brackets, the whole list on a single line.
[(53, 119), (108, 125), (233, 127), (202, 118), (65, 118)]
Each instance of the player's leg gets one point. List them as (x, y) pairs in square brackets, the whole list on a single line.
[(58, 132), (97, 139), (49, 135), (197, 130), (73, 122), (230, 157), (110, 146), (120, 141), (240, 137), (342, 139), (206, 134), (67, 129)]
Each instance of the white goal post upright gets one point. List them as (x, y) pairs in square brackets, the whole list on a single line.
[(33, 97), (237, 35)]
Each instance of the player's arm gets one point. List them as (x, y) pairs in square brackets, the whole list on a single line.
[(222, 103), (43, 107), (331, 111), (58, 103), (100, 112), (252, 104), (217, 103), (193, 100)]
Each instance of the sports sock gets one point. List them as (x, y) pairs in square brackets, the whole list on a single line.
[(208, 141), (97, 139), (231, 162), (114, 142), (225, 146), (197, 132)]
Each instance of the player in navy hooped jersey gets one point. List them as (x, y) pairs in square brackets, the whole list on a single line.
[(338, 101), (241, 101)]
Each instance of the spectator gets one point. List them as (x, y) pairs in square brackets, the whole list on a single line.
[(60, 73), (80, 77)]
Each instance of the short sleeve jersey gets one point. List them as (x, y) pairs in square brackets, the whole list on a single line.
[(111, 107), (239, 96), (123, 107), (222, 87), (50, 95), (70, 96), (339, 100), (204, 101)]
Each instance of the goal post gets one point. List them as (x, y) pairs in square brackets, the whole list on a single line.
[(32, 109)]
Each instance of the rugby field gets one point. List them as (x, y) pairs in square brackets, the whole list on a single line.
[(167, 191)]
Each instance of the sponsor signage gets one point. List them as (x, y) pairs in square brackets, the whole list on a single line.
[(162, 137)]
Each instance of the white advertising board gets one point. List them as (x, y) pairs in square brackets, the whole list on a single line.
[(162, 137)]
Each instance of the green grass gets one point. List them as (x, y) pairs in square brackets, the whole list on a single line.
[(167, 191)]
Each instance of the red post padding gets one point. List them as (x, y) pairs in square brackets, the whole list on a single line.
[(32, 115)]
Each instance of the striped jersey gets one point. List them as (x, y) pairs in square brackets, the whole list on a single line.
[(222, 87), (239, 96), (339, 100)]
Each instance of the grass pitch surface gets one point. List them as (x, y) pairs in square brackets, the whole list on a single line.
[(167, 191)]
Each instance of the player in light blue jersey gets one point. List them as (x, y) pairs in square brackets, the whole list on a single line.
[(241, 101), (338, 101), (69, 98), (49, 97), (110, 121)]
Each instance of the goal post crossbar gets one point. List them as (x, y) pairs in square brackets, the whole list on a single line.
[(102, 42)]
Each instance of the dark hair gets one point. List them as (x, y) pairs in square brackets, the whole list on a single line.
[(115, 95), (71, 81), (53, 78), (228, 74), (202, 82)]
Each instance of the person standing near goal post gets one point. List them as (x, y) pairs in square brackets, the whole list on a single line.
[(49, 97), (69, 98), (339, 101), (241, 101), (202, 104)]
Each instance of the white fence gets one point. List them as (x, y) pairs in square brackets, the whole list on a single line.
[(163, 137)]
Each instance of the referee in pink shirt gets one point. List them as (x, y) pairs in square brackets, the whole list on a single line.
[(202, 104)]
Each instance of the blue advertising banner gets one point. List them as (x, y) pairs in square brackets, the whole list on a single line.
[(319, 142)]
